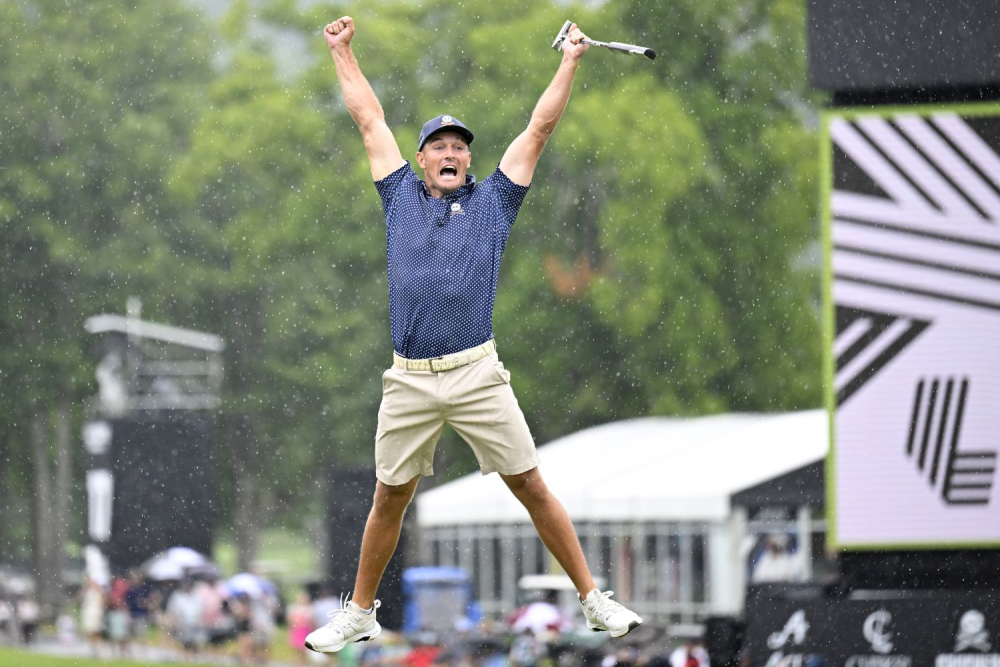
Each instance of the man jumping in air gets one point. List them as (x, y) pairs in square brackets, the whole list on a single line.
[(446, 235)]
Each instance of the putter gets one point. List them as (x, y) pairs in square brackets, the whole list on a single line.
[(617, 47)]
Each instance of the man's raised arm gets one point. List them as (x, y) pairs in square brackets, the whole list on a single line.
[(383, 152), (522, 155)]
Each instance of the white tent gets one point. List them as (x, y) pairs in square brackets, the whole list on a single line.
[(646, 469)]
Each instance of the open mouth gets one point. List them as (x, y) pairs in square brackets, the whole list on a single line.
[(449, 170)]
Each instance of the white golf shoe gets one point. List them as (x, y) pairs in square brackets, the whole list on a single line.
[(347, 625), (603, 613)]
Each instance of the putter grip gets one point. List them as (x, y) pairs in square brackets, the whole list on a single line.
[(632, 50)]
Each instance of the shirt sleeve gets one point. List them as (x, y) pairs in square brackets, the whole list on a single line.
[(389, 186), (509, 195)]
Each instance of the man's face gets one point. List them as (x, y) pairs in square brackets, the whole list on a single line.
[(445, 159)]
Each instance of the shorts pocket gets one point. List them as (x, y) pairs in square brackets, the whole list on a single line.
[(502, 373)]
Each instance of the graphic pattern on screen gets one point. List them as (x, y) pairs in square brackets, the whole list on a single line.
[(915, 229), (966, 476)]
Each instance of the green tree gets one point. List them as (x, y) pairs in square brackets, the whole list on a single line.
[(88, 127), (741, 235), (282, 274)]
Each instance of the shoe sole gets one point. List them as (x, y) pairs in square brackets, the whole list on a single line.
[(366, 638), (631, 626)]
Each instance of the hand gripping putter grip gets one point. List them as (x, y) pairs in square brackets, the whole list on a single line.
[(618, 47)]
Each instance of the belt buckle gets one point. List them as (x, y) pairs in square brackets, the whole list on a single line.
[(456, 361)]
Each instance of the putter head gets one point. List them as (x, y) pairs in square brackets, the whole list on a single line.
[(561, 37)]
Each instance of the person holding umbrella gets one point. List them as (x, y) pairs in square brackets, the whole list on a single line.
[(184, 618), (254, 602)]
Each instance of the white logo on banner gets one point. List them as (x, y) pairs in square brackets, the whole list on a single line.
[(795, 629), (972, 635), (876, 631), (972, 632)]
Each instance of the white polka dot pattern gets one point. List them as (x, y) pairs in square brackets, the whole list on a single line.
[(444, 259)]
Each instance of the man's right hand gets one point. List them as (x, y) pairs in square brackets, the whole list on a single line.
[(339, 33), (383, 152)]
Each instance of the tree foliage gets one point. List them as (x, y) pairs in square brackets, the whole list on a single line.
[(93, 112)]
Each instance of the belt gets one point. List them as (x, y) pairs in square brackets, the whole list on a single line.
[(448, 361)]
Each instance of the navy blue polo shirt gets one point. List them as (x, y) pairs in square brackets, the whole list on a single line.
[(444, 259)]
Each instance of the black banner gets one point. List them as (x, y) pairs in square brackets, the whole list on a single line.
[(891, 44), (348, 503), (165, 483), (893, 630)]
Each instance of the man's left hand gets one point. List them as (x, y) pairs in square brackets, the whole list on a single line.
[(572, 47)]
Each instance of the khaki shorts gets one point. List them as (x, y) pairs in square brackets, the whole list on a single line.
[(476, 400)]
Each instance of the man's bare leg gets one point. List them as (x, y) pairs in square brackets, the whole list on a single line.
[(553, 526), (385, 521)]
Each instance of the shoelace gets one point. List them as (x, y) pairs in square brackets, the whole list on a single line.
[(604, 606), (339, 617)]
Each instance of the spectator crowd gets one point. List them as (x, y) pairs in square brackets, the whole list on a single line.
[(201, 619), (196, 615)]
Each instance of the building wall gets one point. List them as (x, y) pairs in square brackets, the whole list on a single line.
[(660, 569)]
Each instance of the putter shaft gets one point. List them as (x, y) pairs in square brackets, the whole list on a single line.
[(620, 47)]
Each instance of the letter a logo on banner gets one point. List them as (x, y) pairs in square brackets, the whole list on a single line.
[(795, 629)]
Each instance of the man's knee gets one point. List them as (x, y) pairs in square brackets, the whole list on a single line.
[(528, 487), (394, 498)]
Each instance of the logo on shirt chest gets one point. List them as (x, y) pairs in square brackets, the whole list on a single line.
[(456, 209)]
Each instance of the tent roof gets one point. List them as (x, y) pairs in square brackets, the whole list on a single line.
[(120, 324), (645, 469)]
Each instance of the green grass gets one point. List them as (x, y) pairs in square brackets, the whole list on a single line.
[(10, 657), (285, 555), (279, 652)]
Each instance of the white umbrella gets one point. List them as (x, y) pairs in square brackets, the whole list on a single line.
[(248, 584), (176, 563), (538, 617)]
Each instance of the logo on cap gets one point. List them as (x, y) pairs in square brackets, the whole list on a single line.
[(435, 125)]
